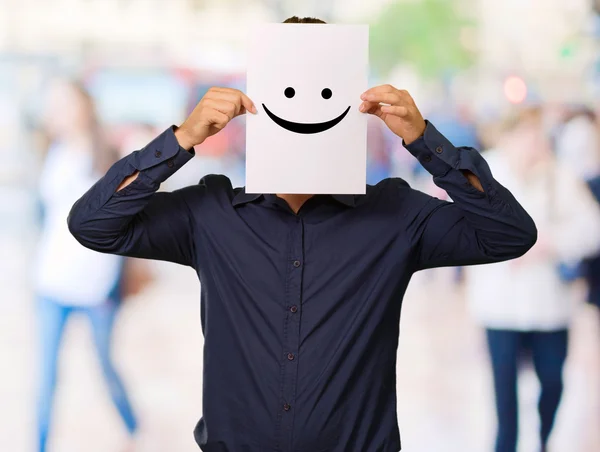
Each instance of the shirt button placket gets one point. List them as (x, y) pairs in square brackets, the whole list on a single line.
[(291, 339)]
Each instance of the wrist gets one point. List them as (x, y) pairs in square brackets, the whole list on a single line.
[(184, 139), (411, 138)]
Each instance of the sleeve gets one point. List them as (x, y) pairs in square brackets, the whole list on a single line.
[(137, 221), (477, 227)]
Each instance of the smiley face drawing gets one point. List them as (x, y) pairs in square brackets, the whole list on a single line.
[(305, 127), (308, 135)]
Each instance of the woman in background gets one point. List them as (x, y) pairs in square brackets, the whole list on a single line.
[(69, 278), (524, 304), (578, 145)]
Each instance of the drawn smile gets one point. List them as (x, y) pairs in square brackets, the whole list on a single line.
[(303, 127)]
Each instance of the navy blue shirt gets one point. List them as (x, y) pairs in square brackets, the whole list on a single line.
[(300, 312)]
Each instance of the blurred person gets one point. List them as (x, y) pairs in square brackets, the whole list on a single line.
[(524, 304), (69, 278), (590, 268), (577, 142), (301, 294)]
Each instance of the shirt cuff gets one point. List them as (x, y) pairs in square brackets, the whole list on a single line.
[(434, 152), (162, 157)]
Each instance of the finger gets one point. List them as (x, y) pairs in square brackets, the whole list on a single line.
[(366, 106), (392, 98), (401, 93), (381, 89), (395, 110), (224, 106), (371, 109), (228, 96), (218, 119), (241, 100)]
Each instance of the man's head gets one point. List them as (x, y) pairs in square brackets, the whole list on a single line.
[(303, 20)]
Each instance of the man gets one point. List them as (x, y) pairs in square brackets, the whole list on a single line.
[(301, 294)]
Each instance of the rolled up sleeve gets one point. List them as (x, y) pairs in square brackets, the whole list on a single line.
[(137, 221), (477, 227)]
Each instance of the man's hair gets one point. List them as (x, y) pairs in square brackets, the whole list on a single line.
[(303, 20)]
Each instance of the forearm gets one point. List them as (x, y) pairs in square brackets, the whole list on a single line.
[(128, 180), (183, 140), (122, 214), (110, 216), (485, 216), (472, 179), (109, 224)]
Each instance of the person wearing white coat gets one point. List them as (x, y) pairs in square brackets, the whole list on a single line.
[(523, 304), (68, 278)]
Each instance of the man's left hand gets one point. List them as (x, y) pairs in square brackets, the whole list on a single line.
[(399, 113)]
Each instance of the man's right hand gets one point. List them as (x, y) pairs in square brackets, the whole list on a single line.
[(211, 115)]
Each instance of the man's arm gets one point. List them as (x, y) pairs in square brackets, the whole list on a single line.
[(484, 224), (123, 214), (132, 219)]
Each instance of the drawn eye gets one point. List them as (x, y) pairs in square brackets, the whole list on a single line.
[(289, 92), (326, 93)]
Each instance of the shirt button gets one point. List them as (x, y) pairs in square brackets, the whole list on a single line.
[(291, 356), (170, 163), (287, 407), (427, 158), (294, 309), (439, 150), (297, 264), (157, 154)]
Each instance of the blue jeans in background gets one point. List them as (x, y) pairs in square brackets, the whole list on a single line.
[(53, 317), (548, 351)]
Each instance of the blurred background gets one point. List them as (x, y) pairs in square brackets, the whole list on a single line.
[(518, 79)]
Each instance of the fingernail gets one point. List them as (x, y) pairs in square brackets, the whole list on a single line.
[(254, 109), (361, 108), (363, 96)]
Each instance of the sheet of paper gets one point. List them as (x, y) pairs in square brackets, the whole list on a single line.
[(308, 136)]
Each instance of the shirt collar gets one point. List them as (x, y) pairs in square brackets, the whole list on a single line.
[(243, 198), (347, 200)]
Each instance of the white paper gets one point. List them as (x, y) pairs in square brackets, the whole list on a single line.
[(295, 157)]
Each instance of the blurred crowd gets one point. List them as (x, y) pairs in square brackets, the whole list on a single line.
[(73, 124)]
